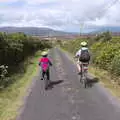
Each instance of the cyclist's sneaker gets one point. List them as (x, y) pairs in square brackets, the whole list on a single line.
[(46, 88)]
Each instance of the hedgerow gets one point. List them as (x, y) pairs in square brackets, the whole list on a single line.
[(105, 51), (14, 50)]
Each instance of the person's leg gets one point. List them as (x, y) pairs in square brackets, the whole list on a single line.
[(43, 73), (79, 67), (48, 74), (87, 64)]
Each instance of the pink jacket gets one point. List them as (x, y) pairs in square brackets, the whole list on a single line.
[(44, 62)]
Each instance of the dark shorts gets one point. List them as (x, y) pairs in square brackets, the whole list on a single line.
[(47, 73)]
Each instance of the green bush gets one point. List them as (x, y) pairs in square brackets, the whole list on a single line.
[(105, 55), (105, 51), (73, 46), (3, 77), (95, 50), (115, 64), (15, 48)]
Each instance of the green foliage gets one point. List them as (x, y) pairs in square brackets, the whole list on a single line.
[(106, 36), (74, 45), (98, 37), (105, 51), (115, 64), (95, 49), (3, 76), (103, 37), (107, 55)]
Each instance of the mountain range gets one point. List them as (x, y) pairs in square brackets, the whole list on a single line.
[(107, 28), (36, 31), (42, 31)]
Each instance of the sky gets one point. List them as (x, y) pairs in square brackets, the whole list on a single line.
[(66, 15)]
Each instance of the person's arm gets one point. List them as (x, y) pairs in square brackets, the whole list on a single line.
[(78, 53), (39, 62), (50, 62)]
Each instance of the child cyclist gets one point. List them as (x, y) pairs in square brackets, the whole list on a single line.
[(45, 63)]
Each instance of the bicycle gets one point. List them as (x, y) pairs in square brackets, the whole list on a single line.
[(84, 74)]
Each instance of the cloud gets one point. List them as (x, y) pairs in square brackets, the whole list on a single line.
[(60, 14), (33, 2), (8, 1)]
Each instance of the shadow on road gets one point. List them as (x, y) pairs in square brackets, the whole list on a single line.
[(92, 81), (53, 83), (56, 82)]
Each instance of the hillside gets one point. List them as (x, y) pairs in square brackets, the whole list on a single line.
[(107, 28), (35, 31)]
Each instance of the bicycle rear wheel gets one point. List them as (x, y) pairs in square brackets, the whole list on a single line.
[(81, 78)]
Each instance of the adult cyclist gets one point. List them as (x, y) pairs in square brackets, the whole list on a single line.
[(45, 63), (83, 56)]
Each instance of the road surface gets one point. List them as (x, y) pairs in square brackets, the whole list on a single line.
[(68, 100)]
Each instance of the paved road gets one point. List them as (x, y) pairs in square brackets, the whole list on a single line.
[(68, 100)]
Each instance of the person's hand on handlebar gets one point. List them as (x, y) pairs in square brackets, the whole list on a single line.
[(75, 57)]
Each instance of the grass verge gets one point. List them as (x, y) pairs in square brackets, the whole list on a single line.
[(11, 98), (105, 78)]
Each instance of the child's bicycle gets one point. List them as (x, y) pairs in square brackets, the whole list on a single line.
[(46, 81)]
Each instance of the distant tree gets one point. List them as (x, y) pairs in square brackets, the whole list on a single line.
[(107, 36), (1, 36)]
